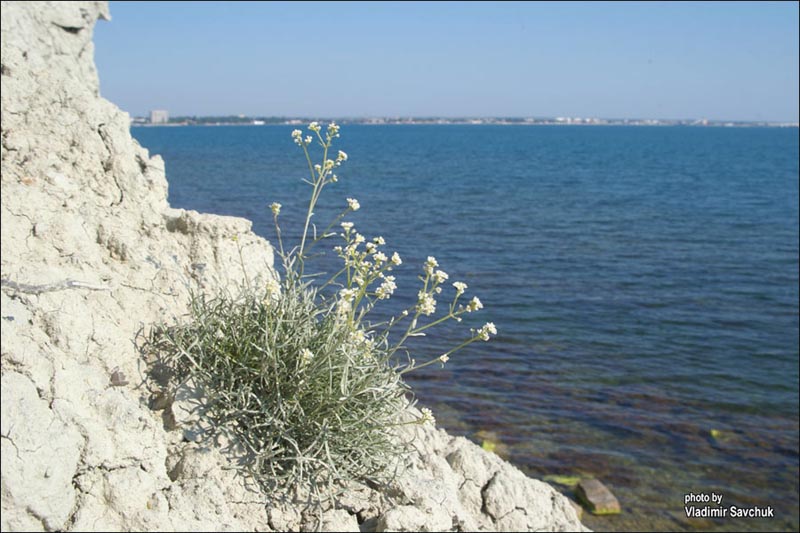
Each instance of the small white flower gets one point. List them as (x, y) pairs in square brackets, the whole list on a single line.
[(386, 289), (353, 204), (460, 287), (306, 356), (486, 330), (314, 126), (380, 257), (430, 264), (379, 241), (427, 416), (396, 261), (341, 157), (297, 135), (359, 238), (276, 208), (474, 304), (347, 294), (440, 276), (329, 164), (444, 358), (343, 307), (347, 226), (308, 139), (318, 168), (426, 305)]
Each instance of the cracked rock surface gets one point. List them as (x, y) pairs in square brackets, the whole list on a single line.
[(92, 255)]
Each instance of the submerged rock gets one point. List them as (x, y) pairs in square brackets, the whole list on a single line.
[(596, 497)]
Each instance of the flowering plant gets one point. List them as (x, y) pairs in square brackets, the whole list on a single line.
[(364, 278), (296, 371)]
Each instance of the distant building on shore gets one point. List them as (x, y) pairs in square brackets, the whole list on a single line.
[(159, 116)]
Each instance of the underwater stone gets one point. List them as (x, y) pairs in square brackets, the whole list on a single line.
[(596, 497)]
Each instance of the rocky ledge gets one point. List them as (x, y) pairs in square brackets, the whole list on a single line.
[(92, 255)]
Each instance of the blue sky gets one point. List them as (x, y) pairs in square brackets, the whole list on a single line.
[(716, 60)]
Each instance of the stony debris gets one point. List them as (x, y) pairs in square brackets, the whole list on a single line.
[(92, 255), (596, 497), (338, 520)]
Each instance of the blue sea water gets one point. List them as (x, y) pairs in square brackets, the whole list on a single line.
[(644, 282)]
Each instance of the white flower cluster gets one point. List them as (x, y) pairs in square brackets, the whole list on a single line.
[(345, 303), (322, 172), (276, 208), (426, 305), (427, 416), (297, 135), (353, 204), (367, 265), (474, 305), (430, 264), (333, 131), (386, 289), (486, 330), (347, 294), (460, 287)]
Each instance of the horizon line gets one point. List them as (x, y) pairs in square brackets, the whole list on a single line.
[(553, 118)]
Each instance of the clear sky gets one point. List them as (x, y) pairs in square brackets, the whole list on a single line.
[(716, 60)]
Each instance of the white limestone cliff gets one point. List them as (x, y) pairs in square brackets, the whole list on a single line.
[(92, 255)]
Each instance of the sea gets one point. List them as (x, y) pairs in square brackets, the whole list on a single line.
[(643, 282)]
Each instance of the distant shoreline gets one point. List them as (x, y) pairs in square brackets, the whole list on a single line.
[(635, 123)]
